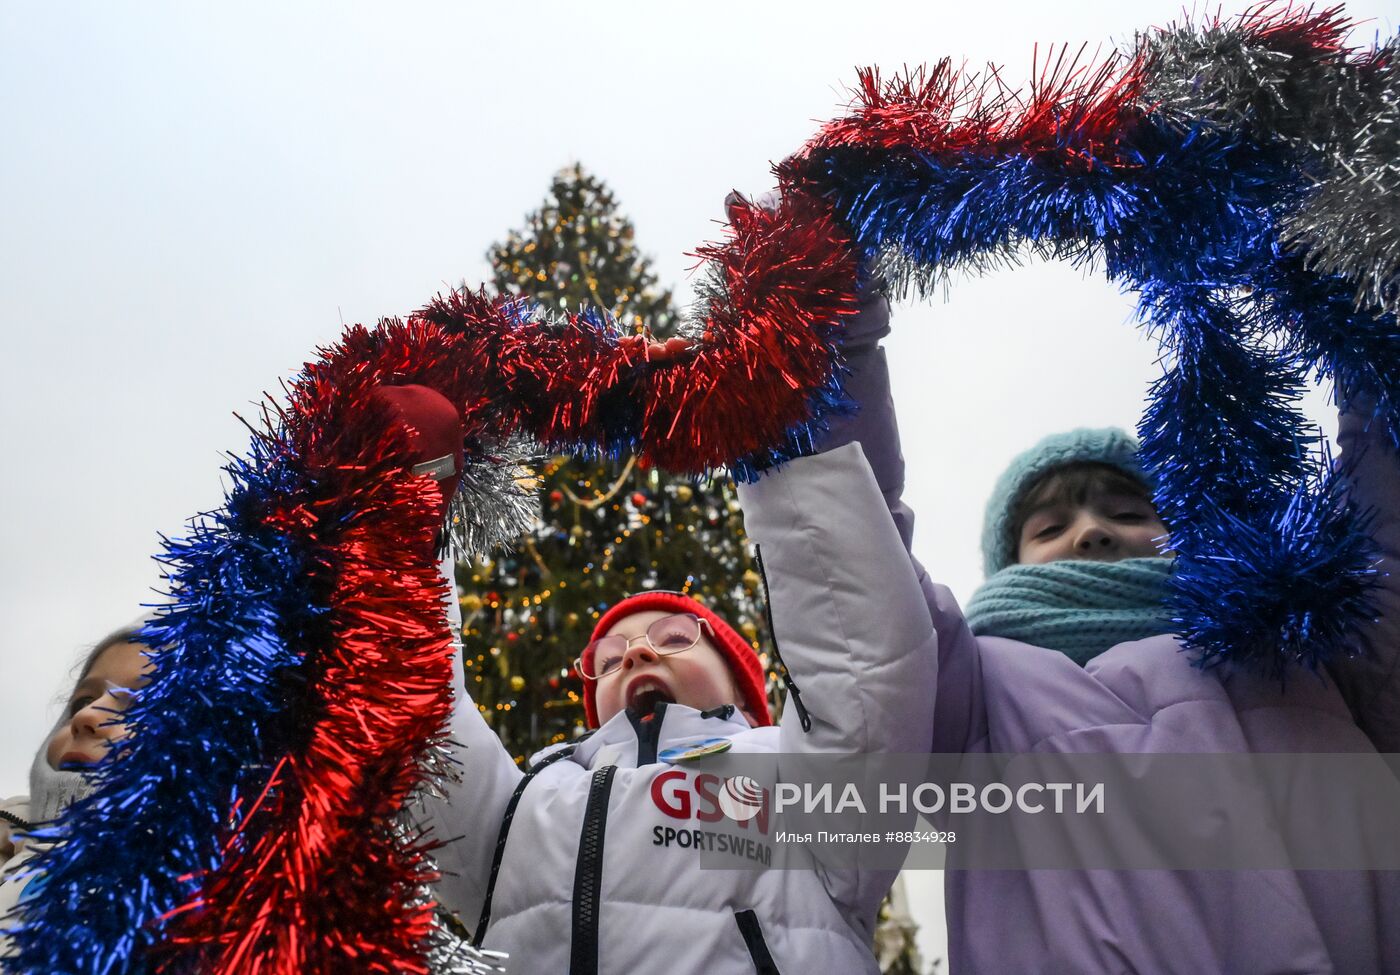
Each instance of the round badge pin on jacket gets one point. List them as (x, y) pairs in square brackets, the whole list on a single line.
[(689, 751)]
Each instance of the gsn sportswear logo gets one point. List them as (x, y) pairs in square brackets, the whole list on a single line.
[(709, 798)]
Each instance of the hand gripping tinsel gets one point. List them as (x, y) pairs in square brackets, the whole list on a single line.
[(1240, 176)]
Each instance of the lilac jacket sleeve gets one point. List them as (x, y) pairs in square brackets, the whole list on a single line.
[(1370, 682)]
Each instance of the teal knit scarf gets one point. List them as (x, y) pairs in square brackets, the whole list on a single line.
[(1079, 608)]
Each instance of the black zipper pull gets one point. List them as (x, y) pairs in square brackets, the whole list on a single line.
[(16, 822), (793, 692), (648, 730), (724, 712)]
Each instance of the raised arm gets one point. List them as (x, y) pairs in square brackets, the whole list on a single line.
[(467, 818), (873, 425), (958, 714), (1370, 682), (851, 626), (849, 619)]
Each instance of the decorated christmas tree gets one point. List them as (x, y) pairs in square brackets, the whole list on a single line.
[(578, 250), (606, 529)]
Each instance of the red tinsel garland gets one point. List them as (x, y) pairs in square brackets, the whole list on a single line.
[(1071, 106), (315, 879), (788, 280)]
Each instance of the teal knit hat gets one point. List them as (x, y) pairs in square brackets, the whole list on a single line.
[(1108, 445)]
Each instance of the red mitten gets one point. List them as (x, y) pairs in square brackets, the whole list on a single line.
[(436, 429)]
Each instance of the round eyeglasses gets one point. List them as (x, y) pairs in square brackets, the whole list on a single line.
[(670, 634)]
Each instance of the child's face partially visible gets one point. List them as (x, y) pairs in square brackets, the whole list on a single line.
[(698, 677), (95, 707), (1106, 526)]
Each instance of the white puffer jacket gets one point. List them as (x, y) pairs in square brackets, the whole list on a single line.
[(15, 850), (591, 881)]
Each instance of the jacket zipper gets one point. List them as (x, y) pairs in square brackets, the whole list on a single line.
[(749, 927), (588, 876), (793, 692), (504, 834), (16, 822), (648, 733)]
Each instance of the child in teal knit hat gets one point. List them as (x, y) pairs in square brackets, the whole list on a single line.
[(1071, 545)]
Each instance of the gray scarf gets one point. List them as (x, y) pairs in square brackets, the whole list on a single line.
[(51, 790)]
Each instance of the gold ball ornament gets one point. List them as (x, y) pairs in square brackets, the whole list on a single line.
[(470, 603), (751, 579), (749, 630), (517, 683), (684, 492)]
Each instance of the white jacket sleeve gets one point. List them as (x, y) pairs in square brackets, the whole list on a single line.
[(849, 617), (12, 866), (467, 818), (850, 622)]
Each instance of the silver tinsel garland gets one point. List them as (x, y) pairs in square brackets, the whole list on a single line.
[(491, 506), (1337, 108)]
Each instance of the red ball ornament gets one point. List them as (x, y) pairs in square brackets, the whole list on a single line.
[(638, 498), (512, 637), (556, 496)]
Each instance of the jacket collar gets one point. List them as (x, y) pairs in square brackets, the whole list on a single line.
[(628, 741)]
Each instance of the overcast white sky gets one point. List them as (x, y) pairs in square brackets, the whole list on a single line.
[(196, 195)]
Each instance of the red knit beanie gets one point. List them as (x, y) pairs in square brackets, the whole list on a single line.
[(738, 654)]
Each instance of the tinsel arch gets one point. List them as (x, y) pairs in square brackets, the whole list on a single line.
[(1240, 176)]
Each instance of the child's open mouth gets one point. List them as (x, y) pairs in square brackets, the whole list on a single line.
[(645, 693)]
